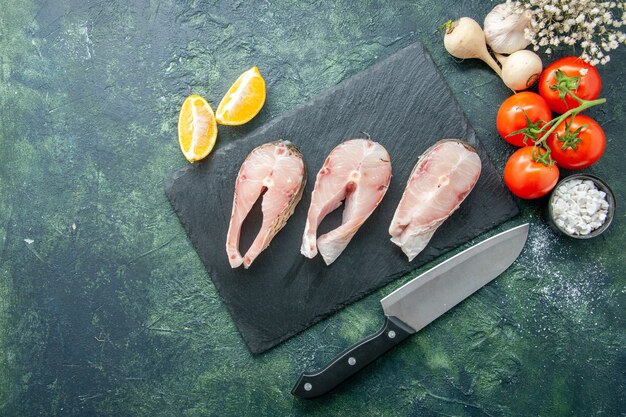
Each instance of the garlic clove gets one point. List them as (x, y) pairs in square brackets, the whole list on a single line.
[(504, 28)]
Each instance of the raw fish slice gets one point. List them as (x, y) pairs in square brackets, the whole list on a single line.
[(357, 171), (275, 170), (443, 176)]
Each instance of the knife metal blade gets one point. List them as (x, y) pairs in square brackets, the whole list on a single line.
[(423, 299), (417, 303)]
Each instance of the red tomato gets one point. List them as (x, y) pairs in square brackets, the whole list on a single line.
[(587, 88), (527, 178), (513, 112), (584, 142)]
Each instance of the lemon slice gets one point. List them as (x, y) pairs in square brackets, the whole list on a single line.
[(243, 100), (197, 129)]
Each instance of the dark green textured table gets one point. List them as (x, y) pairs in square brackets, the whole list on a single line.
[(105, 309)]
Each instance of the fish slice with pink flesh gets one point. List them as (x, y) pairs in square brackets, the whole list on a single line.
[(357, 171), (443, 176), (275, 170)]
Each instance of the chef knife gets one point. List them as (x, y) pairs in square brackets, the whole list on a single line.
[(417, 303)]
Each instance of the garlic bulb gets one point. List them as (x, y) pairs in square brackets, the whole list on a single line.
[(504, 28), (521, 69)]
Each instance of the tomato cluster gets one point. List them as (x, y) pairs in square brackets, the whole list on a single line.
[(571, 140)]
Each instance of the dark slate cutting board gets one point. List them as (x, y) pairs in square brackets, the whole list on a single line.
[(404, 103)]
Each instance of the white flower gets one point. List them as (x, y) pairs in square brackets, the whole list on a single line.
[(588, 23)]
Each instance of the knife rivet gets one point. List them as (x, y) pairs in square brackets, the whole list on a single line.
[(351, 361), (308, 386), (391, 334)]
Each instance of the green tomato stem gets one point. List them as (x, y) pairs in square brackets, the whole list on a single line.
[(575, 97), (554, 123)]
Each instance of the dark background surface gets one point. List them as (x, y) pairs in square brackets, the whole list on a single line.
[(405, 105), (105, 308)]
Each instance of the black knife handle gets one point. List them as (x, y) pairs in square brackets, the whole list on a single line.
[(311, 385)]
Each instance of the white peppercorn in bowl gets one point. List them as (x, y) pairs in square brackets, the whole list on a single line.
[(581, 206)]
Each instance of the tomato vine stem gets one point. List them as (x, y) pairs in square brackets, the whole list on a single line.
[(539, 131), (585, 104)]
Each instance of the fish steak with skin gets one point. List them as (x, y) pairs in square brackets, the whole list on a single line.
[(275, 170), (357, 171), (443, 176)]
